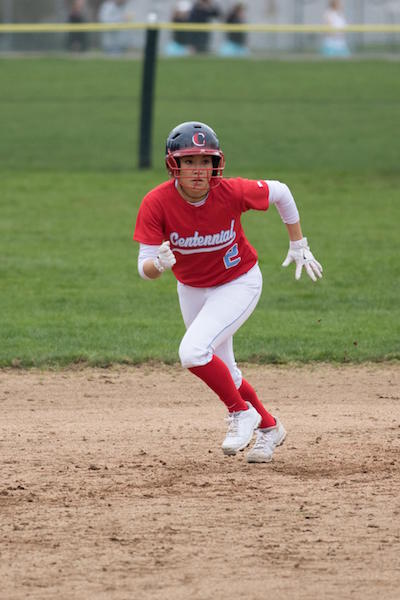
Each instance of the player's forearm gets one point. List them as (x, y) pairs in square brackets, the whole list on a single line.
[(294, 231), (146, 266), (150, 270), (154, 260)]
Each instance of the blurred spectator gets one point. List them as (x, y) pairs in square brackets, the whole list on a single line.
[(203, 11), (236, 41), (77, 41), (180, 43), (116, 11), (334, 44)]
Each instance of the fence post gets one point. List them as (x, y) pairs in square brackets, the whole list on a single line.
[(146, 110), (8, 17)]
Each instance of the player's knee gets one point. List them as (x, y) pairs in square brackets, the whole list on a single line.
[(192, 354)]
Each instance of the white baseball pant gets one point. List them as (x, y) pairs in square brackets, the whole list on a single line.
[(213, 315)]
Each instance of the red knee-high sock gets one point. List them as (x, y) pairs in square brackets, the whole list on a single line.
[(217, 376), (248, 393)]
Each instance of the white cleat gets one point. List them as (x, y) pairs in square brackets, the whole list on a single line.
[(266, 442), (240, 431)]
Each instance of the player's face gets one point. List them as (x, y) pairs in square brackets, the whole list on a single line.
[(195, 175)]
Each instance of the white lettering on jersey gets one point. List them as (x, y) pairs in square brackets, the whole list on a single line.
[(203, 243)]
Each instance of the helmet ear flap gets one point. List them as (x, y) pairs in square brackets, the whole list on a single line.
[(218, 166), (173, 165), (215, 162)]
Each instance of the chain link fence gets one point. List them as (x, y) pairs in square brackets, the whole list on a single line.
[(274, 12)]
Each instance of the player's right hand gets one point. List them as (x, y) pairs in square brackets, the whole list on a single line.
[(165, 258)]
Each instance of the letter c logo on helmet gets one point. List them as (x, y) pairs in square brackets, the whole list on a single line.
[(199, 139)]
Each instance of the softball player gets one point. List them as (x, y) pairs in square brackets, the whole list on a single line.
[(191, 224)]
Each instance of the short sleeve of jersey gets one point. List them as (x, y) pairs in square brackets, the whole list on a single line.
[(254, 194), (149, 227)]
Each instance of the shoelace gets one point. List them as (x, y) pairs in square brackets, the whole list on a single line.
[(233, 424), (262, 440)]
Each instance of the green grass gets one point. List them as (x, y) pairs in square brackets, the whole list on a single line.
[(70, 190)]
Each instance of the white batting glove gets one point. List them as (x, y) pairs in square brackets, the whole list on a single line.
[(300, 253), (165, 258)]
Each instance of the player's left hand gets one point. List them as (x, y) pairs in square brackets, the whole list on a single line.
[(300, 253)]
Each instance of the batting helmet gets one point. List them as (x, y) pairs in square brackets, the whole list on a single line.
[(192, 138)]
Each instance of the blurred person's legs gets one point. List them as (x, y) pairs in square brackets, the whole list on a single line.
[(335, 47), (229, 48), (77, 41), (173, 48), (200, 41)]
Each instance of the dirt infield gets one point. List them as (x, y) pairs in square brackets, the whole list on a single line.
[(113, 486)]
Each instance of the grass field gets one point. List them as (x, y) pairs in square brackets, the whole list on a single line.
[(70, 190)]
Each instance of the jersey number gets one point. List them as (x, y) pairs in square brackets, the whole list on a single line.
[(231, 258)]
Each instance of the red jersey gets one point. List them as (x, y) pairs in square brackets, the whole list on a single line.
[(208, 241)]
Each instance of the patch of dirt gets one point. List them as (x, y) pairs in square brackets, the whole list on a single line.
[(113, 486)]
